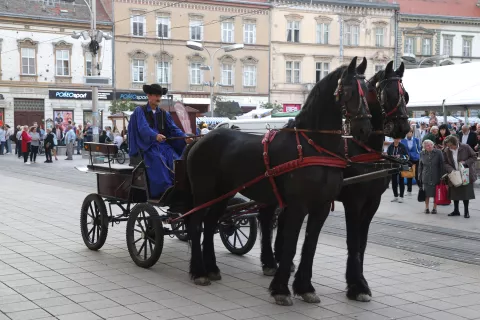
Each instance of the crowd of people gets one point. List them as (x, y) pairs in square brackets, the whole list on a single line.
[(29, 140), (435, 151)]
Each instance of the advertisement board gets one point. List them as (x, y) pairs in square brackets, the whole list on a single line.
[(291, 107), (77, 95), (61, 117)]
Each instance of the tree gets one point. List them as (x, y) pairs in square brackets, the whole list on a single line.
[(117, 106), (275, 106), (229, 109)]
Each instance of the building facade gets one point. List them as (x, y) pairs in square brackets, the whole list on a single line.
[(441, 34), (150, 46), (42, 67), (312, 38)]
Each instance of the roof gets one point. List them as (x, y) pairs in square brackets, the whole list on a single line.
[(451, 8), (383, 4), (429, 87), (59, 10)]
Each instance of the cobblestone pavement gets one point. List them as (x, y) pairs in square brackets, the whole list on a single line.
[(46, 272)]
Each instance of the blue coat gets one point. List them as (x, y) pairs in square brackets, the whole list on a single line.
[(157, 155), (414, 152)]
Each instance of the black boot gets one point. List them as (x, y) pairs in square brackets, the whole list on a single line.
[(455, 212)]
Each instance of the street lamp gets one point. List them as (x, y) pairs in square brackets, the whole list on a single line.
[(433, 58), (197, 46)]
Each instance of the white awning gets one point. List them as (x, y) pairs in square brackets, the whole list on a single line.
[(457, 84), (196, 100)]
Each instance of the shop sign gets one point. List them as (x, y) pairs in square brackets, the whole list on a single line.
[(77, 95), (133, 96), (291, 107)]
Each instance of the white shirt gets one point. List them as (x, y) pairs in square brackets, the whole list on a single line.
[(455, 157), (118, 140), (464, 138), (204, 131)]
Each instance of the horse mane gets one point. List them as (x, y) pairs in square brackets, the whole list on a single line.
[(375, 107), (320, 108)]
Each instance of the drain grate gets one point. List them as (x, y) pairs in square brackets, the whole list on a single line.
[(423, 262)]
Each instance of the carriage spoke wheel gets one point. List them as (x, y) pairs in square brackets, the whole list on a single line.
[(120, 157), (144, 235), (94, 222), (180, 226), (239, 236)]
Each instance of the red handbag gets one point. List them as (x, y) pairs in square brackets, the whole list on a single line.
[(441, 194)]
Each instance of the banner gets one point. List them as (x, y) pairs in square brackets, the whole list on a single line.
[(61, 117), (77, 95), (291, 107)]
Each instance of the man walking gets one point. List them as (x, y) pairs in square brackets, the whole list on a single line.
[(69, 141)]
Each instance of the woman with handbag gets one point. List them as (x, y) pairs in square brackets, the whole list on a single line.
[(457, 157), (430, 171), (49, 145), (413, 148)]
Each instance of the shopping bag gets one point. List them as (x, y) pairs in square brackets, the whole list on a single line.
[(409, 174), (441, 194), (464, 173), (421, 195), (455, 178)]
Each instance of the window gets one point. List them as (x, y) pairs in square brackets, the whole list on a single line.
[(351, 35), (467, 47), (196, 30), (447, 46), (293, 31), (163, 27), (63, 62), (163, 72), (322, 33), (379, 36), (249, 33), (227, 32), (138, 70), (195, 73), (28, 61), (409, 45), (321, 70), (88, 64), (427, 47), (249, 76), (227, 74), (138, 25), (378, 67), (293, 71)]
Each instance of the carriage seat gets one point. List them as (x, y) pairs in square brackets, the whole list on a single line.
[(107, 150)]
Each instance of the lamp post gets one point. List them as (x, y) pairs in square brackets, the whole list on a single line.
[(433, 58), (96, 38), (197, 46)]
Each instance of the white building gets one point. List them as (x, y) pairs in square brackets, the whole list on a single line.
[(42, 67)]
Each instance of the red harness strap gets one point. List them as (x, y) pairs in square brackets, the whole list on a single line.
[(400, 92)]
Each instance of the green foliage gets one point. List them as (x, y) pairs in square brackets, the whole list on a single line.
[(117, 106), (229, 109), (275, 106)]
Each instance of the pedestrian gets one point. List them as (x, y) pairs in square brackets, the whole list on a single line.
[(432, 134), (468, 137), (69, 141), (26, 140), (9, 138), (3, 139), (455, 153), (413, 148), (397, 150), (34, 144), (430, 171), (443, 132), (18, 143), (79, 139), (49, 145)]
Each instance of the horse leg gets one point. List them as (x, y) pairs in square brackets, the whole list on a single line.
[(279, 240), (266, 219), (302, 285), (210, 224), (198, 272), (293, 215), (358, 223)]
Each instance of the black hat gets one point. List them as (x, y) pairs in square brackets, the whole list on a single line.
[(154, 89)]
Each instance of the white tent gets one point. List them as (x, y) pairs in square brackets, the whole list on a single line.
[(458, 85), (256, 113)]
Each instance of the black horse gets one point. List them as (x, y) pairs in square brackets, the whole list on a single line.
[(389, 115), (226, 159)]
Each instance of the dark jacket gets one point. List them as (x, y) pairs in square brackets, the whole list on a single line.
[(471, 140), (401, 150), (49, 139), (465, 153), (430, 167)]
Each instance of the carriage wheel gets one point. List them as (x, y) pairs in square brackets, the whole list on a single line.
[(239, 236), (120, 157), (94, 222), (181, 227), (144, 235)]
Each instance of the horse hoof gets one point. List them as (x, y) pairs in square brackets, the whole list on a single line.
[(283, 300), (269, 271), (363, 297), (292, 267), (202, 281), (214, 276), (310, 297)]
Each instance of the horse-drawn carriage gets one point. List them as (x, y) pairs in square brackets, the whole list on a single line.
[(127, 188)]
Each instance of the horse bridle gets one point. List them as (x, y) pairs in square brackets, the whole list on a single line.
[(401, 103)]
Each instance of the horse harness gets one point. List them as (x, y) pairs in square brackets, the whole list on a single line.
[(401, 104)]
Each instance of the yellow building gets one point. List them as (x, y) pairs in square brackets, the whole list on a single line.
[(150, 46), (311, 38)]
